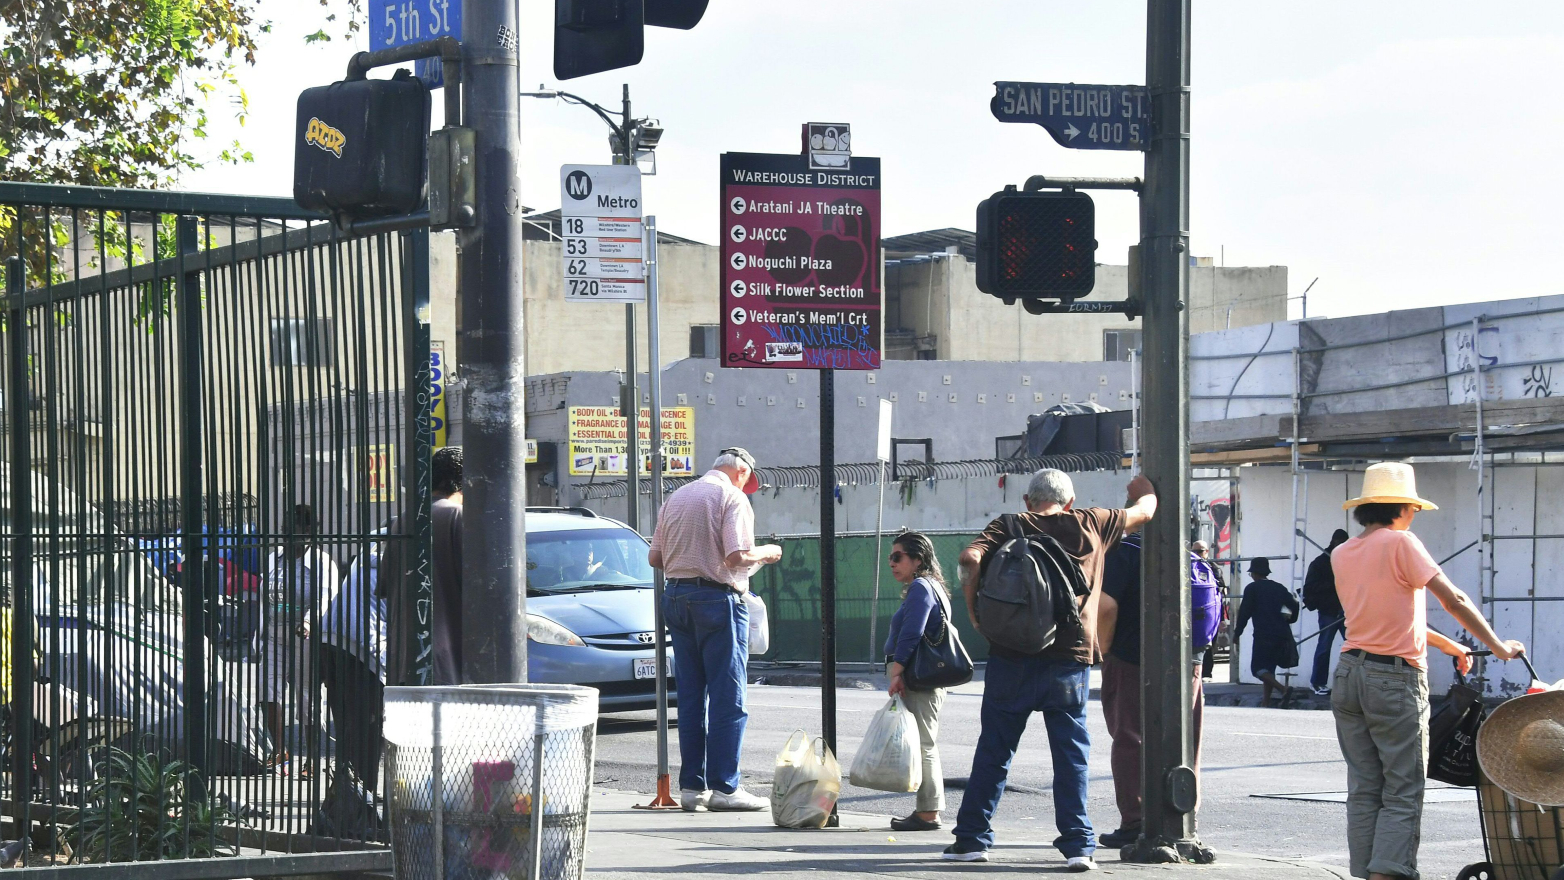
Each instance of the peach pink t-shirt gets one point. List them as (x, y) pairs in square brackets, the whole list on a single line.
[(1380, 578)]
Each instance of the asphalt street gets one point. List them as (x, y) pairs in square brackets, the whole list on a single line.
[(1248, 754)]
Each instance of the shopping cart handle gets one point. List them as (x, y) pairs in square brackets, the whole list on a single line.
[(1521, 657)]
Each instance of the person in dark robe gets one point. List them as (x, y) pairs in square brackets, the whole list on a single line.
[(1273, 609)]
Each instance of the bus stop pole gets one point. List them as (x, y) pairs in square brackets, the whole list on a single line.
[(664, 799)]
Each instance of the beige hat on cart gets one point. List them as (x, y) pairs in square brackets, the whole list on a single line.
[(1390, 482), (1521, 748)]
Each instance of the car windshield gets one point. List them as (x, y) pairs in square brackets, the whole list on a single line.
[(586, 559)]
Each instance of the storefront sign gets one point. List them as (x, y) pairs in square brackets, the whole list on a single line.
[(437, 422), (597, 441)]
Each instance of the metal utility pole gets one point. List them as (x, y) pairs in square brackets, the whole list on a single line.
[(1167, 668), (828, 564), (629, 133), (632, 398), (664, 798), (493, 358)]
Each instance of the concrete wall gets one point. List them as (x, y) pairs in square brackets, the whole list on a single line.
[(1521, 342), (569, 336), (940, 297), (962, 407), (965, 505)]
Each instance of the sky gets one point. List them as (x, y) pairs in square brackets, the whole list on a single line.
[(1402, 153)]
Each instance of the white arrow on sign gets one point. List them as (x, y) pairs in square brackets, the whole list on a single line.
[(1070, 131)]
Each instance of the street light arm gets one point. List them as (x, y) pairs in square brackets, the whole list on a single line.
[(577, 99)]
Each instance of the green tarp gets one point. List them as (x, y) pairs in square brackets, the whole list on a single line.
[(791, 590)]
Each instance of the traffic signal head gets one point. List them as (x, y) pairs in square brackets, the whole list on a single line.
[(1036, 245), (591, 36)]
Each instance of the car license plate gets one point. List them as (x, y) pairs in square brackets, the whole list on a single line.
[(645, 667)]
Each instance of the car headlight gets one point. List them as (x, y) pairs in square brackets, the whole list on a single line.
[(547, 632)]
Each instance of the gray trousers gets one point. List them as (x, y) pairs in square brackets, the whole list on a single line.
[(925, 706), (1382, 724)]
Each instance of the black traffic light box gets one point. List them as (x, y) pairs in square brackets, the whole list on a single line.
[(360, 146), (591, 36), (1036, 245)]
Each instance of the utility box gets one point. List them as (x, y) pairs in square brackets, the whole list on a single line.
[(360, 147)]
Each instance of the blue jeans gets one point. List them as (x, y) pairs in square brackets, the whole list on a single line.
[(1012, 691), (709, 630), (1331, 626)]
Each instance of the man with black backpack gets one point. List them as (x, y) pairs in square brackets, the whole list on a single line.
[(1032, 583)]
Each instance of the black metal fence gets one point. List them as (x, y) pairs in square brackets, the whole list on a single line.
[(214, 405)]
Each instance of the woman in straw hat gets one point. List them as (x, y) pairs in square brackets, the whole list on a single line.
[(1380, 691)]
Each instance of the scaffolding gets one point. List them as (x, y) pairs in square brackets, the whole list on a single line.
[(1493, 443)]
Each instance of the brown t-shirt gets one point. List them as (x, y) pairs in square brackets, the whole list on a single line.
[(1087, 535)]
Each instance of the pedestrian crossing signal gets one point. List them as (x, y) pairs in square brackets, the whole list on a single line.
[(591, 36), (1036, 245)]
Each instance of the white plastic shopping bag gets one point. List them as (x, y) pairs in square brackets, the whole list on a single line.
[(759, 626), (806, 783), (889, 758)]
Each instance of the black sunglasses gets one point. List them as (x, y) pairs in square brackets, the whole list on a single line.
[(898, 556)]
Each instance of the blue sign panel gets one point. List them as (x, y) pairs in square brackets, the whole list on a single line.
[(399, 22), (1079, 116)]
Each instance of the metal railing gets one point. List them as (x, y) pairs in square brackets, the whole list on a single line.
[(211, 411)]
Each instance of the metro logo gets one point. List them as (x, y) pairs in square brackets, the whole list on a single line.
[(324, 136)]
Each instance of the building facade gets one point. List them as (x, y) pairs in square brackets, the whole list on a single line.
[(934, 310)]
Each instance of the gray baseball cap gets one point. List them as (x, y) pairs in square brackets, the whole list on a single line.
[(742, 454)]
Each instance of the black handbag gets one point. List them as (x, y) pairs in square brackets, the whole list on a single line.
[(1452, 735), (938, 663)]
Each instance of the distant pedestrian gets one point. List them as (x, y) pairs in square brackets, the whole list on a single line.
[(353, 666), (396, 584), (1054, 681), (705, 545), (1208, 659), (300, 579), (1273, 608), (1119, 632), (1319, 595), (1380, 688), (924, 612)]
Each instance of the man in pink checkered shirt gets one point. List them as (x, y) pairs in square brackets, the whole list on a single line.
[(705, 546)]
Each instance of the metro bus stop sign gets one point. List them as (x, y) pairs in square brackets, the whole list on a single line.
[(1079, 116)]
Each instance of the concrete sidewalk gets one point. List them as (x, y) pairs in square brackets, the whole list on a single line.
[(629, 843)]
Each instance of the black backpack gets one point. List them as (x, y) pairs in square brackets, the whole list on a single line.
[(1027, 599)]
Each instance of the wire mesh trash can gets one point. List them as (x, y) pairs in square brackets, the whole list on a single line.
[(1521, 841), (491, 781)]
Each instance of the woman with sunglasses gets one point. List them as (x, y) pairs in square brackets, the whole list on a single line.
[(924, 596)]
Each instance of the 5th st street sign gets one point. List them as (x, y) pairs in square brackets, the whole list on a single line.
[(1079, 116)]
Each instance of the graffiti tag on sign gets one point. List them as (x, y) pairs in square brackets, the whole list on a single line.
[(324, 136)]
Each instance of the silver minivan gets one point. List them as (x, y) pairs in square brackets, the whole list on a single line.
[(589, 607)]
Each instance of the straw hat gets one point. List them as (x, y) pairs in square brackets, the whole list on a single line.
[(1521, 748), (1390, 482)]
